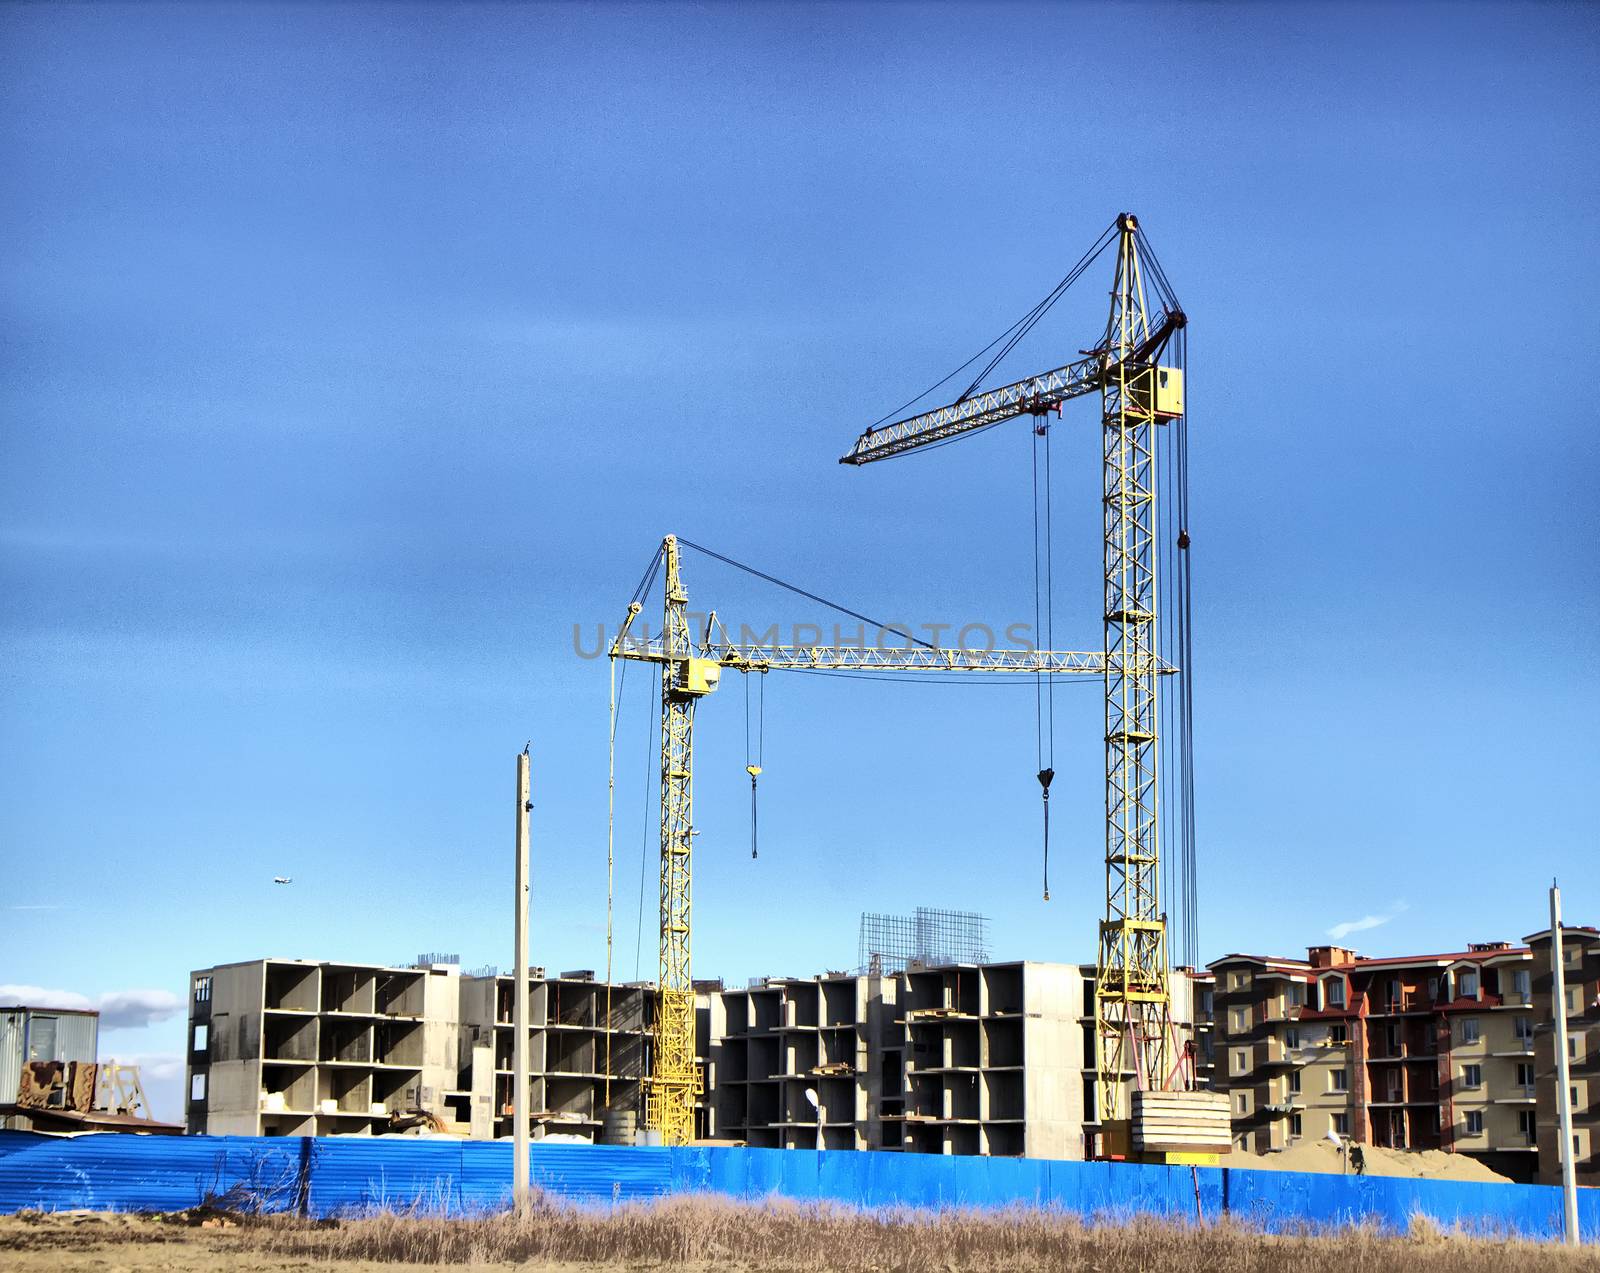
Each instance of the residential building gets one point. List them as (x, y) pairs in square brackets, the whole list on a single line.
[(1580, 949), (1202, 995), (1413, 1052)]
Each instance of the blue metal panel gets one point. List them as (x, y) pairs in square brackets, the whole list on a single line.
[(839, 1176), (763, 1172), (350, 1174), (691, 1170), (602, 1173), (111, 1172)]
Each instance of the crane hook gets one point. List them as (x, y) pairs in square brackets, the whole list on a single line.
[(1045, 776), (753, 771)]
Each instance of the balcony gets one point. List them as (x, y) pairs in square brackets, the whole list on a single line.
[(1516, 1094)]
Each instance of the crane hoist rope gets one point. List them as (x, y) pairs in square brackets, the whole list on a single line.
[(753, 756), (1044, 706)]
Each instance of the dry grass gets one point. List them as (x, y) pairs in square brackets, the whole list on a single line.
[(820, 1239), (709, 1233)]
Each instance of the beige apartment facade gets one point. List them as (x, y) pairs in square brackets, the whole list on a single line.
[(1417, 1052)]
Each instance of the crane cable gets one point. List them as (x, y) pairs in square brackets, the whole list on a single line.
[(1044, 718), (1012, 334), (752, 759), (809, 596), (611, 821)]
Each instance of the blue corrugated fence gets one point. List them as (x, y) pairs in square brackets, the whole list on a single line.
[(342, 1175)]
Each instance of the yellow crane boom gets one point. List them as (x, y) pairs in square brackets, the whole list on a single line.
[(691, 669)]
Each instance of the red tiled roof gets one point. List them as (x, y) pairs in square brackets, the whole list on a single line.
[(1468, 956)]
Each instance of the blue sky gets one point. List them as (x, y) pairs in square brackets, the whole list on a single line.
[(353, 355)]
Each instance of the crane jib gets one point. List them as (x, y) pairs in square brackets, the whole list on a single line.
[(1033, 396)]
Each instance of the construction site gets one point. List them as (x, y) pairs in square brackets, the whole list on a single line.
[(928, 1045), (1112, 807)]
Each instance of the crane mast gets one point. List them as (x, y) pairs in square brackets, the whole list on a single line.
[(691, 669), (1132, 1002), (1132, 996)]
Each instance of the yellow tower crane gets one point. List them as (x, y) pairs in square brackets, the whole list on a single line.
[(1137, 394), (691, 667)]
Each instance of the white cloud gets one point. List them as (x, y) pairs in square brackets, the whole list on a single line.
[(39, 997), (1340, 931), (119, 1009)]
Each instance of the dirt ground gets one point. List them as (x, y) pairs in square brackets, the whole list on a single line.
[(74, 1242)]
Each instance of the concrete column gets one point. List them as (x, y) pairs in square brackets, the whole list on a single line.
[(519, 1011)]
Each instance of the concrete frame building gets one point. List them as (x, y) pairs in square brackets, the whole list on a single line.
[(1580, 949), (289, 1047), (589, 1048), (991, 1058), (1414, 1052)]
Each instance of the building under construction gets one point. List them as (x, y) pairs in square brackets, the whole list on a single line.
[(955, 1058)]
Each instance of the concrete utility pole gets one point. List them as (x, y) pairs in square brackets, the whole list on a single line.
[(1558, 959), (519, 997)]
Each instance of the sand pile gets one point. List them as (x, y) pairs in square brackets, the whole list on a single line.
[(1321, 1155)]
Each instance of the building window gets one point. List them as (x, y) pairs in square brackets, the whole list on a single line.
[(197, 1088), (1291, 1038), (201, 1033), (1296, 1126), (1338, 1035), (1205, 1001), (1472, 1076), (1521, 983), (1243, 1102), (1339, 1080), (202, 989), (1294, 1082), (1297, 994), (1525, 1075), (1522, 1027), (1468, 986), (1474, 1122), (1335, 993), (1241, 981), (1241, 1062), (1527, 1125), (1341, 1124), (1239, 1020), (1433, 988), (1469, 1029), (1574, 1001)]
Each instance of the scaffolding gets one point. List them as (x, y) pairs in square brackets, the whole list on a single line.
[(929, 937)]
